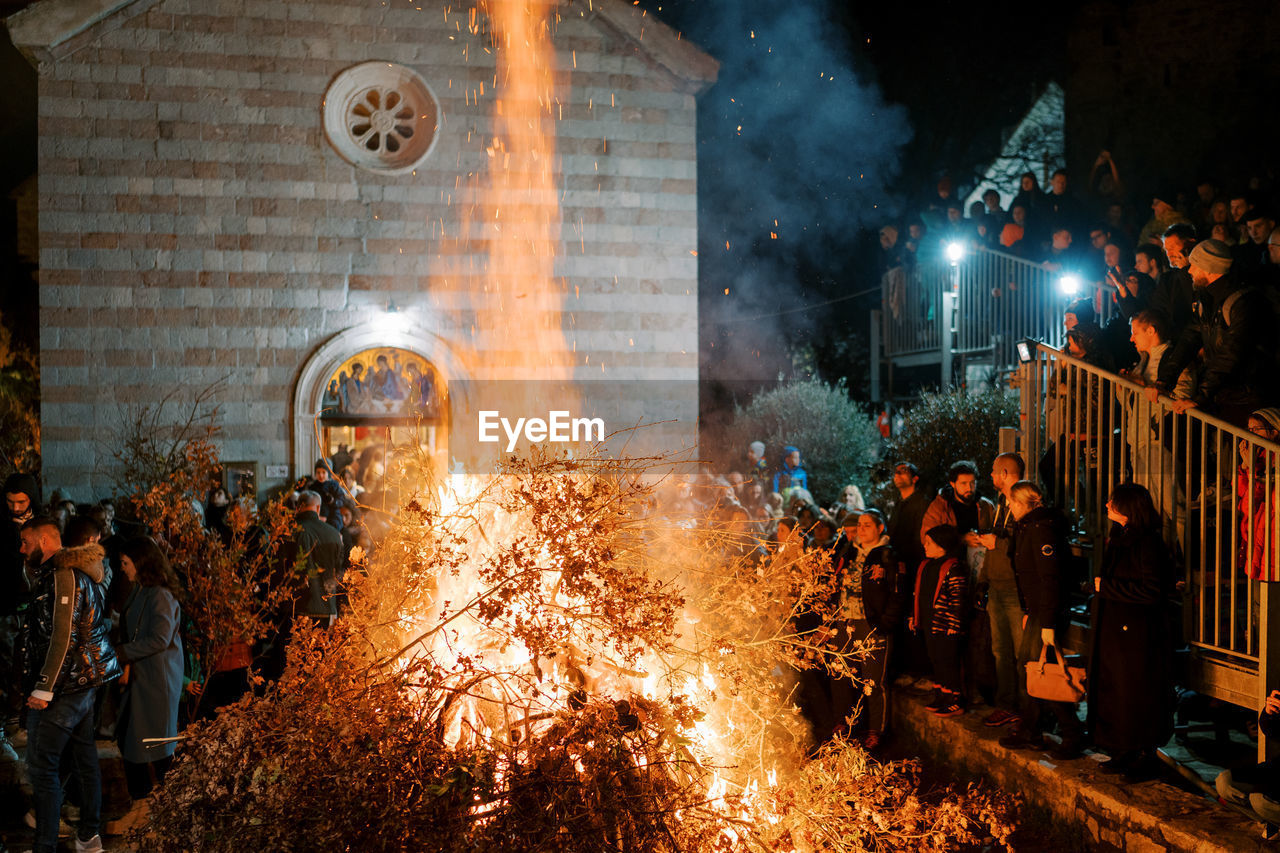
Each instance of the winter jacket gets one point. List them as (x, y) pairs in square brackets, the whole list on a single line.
[(65, 633), (1256, 510), (904, 527), (1041, 565), (943, 511), (153, 650), (1130, 665), (319, 559), (788, 477), (877, 576), (950, 598), (1233, 325)]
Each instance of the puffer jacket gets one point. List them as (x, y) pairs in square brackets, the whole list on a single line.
[(65, 632), (1042, 565)]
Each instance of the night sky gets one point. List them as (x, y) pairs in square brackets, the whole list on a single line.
[(830, 118)]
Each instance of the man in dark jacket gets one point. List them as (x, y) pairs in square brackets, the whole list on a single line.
[(1174, 295), (904, 536), (1232, 327), (908, 515), (68, 658), (318, 559), (1039, 549)]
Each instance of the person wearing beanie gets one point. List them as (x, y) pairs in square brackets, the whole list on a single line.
[(1232, 326)]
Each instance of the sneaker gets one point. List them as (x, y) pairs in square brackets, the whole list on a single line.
[(93, 845), (1000, 717), (936, 701), (951, 709)]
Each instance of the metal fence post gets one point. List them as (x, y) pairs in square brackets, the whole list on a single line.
[(948, 342)]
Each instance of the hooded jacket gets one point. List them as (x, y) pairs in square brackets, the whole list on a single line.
[(1233, 327), (788, 477), (65, 634)]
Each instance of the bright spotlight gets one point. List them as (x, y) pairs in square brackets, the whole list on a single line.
[(391, 322), (955, 252), (1069, 284)]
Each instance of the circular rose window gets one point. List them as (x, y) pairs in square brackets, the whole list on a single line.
[(381, 116)]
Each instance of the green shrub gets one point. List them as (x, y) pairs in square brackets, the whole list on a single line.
[(838, 442), (946, 426)]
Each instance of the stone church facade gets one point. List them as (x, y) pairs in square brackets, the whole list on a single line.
[(198, 228)]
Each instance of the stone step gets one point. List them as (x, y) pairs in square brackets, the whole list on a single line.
[(1103, 812)]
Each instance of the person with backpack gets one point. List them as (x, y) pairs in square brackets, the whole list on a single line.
[(1233, 324)]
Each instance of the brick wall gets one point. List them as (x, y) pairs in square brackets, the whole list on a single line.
[(195, 224)]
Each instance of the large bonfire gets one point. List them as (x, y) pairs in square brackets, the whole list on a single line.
[(555, 657), (549, 661)]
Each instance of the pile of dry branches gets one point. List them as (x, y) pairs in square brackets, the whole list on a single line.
[(549, 662)]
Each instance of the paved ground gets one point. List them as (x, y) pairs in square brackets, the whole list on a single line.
[(13, 829), (1070, 806), (1082, 808)]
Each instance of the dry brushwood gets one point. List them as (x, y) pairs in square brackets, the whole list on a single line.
[(547, 661)]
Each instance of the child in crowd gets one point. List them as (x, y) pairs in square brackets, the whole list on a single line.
[(941, 594)]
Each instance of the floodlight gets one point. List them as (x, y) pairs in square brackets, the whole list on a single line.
[(955, 252), (1069, 284)]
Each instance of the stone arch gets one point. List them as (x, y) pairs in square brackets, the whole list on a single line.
[(308, 390)]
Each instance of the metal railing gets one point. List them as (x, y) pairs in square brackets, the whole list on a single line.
[(1215, 485), (998, 300)]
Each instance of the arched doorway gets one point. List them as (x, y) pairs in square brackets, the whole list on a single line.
[(377, 392)]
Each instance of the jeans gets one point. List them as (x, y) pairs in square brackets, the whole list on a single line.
[(1005, 614), (67, 723)]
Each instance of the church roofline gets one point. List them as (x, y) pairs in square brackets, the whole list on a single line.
[(655, 40), (49, 29)]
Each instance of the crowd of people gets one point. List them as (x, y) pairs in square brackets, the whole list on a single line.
[(91, 636), (941, 591), (1203, 271), (913, 585)]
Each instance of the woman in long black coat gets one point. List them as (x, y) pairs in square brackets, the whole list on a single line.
[(1130, 677)]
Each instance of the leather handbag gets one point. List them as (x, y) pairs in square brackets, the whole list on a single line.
[(1055, 682)]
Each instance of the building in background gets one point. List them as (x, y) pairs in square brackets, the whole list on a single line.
[(234, 193)]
